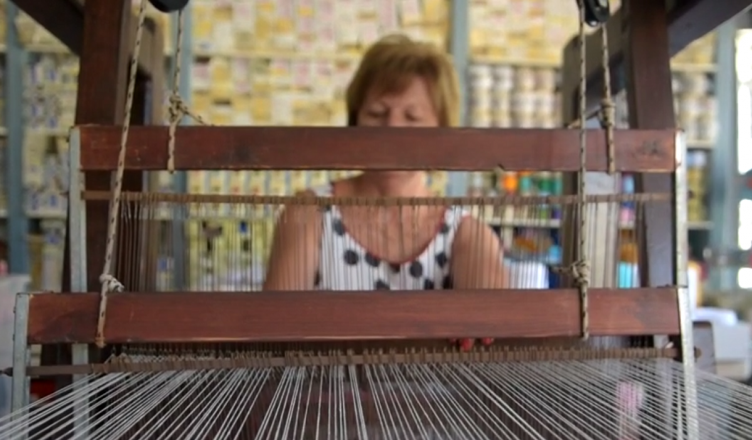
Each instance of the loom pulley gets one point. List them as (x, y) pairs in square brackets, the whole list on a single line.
[(597, 12), (169, 6)]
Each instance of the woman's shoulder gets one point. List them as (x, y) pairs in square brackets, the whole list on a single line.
[(323, 190)]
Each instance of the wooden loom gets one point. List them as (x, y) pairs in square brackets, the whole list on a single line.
[(160, 317)]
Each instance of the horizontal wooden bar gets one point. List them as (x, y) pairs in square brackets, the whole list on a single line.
[(350, 148), (325, 316), (296, 356)]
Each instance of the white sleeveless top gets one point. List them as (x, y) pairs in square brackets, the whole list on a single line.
[(346, 265)]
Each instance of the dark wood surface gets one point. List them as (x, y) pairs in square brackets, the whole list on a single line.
[(236, 148), (305, 316), (103, 68), (65, 19), (101, 100), (651, 106)]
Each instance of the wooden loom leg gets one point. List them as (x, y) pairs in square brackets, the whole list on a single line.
[(651, 105), (100, 100)]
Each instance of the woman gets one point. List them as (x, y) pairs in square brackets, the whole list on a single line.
[(400, 83)]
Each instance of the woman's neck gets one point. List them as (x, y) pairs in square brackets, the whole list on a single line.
[(392, 184)]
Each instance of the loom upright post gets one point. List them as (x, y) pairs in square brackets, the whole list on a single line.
[(651, 106), (20, 381)]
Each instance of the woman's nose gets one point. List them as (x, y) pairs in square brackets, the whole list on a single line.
[(395, 120)]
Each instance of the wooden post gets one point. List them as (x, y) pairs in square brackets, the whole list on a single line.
[(651, 105), (108, 37)]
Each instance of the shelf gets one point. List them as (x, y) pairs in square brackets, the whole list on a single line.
[(555, 224), (700, 144), (515, 62), (693, 68), (276, 54), (41, 215), (51, 132), (51, 48), (554, 64)]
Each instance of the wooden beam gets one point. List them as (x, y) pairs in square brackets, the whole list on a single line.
[(65, 20), (62, 18), (311, 316), (101, 99), (651, 106), (235, 148), (690, 20), (687, 22)]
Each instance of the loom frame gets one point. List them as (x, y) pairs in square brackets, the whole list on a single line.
[(78, 228), (46, 318)]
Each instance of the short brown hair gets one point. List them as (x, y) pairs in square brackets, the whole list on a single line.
[(388, 66)]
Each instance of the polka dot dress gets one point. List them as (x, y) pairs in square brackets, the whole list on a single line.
[(346, 265)]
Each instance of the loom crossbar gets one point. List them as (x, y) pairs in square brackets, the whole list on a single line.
[(172, 317), (340, 148)]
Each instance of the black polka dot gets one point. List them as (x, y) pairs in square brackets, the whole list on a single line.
[(381, 285), (447, 283), (338, 226), (372, 260), (395, 267), (351, 257), (416, 269), (444, 228), (317, 279), (428, 284), (441, 259)]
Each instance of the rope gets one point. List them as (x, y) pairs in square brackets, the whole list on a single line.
[(580, 269), (109, 283), (607, 104), (606, 111), (178, 108)]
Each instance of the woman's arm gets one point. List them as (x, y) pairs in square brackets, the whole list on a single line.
[(477, 257), (477, 263), (295, 251)]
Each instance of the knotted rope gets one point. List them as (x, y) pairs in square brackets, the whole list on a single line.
[(580, 268), (608, 108), (109, 283), (178, 108)]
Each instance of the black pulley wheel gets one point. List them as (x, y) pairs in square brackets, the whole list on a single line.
[(168, 6), (597, 12)]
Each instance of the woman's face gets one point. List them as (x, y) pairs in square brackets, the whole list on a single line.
[(411, 108)]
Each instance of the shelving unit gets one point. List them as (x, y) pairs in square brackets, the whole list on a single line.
[(284, 62)]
